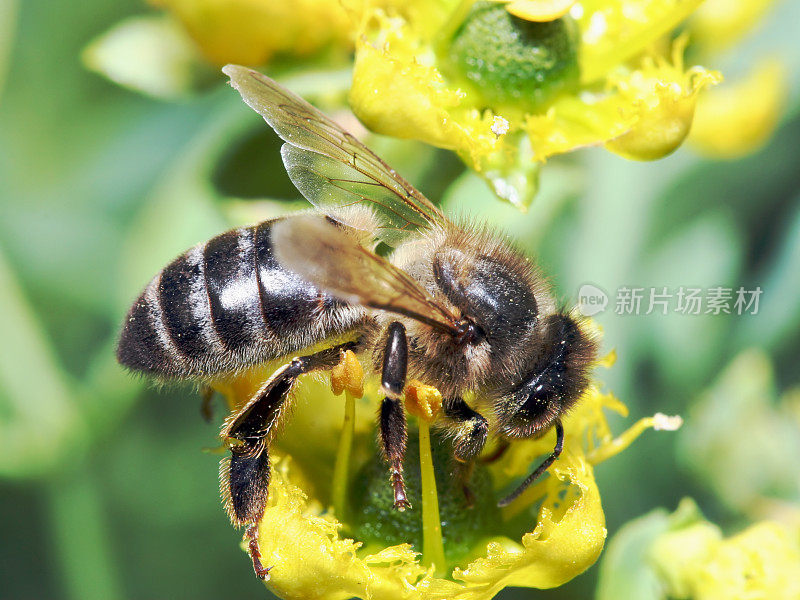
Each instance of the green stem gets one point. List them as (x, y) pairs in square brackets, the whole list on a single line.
[(432, 546), (341, 469)]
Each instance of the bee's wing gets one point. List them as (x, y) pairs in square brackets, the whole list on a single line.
[(333, 260), (329, 166)]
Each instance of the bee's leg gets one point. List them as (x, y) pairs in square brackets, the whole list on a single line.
[(498, 453), (206, 409), (251, 535), (247, 481), (468, 441), (470, 437), (393, 435), (245, 476)]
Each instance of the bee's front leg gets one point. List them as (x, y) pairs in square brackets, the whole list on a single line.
[(471, 429), (393, 435)]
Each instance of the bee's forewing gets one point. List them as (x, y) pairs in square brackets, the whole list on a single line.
[(333, 260), (329, 166)]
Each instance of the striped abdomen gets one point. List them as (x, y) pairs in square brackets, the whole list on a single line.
[(226, 305)]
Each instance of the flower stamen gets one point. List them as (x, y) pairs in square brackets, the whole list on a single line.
[(425, 402), (612, 447), (347, 376)]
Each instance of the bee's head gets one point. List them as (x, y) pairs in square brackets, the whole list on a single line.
[(552, 383), (513, 340)]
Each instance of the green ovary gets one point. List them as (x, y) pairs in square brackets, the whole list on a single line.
[(511, 62), (376, 521)]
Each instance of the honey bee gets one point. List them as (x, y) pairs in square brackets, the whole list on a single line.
[(456, 306)]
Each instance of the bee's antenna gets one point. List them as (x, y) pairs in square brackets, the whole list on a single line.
[(539, 470)]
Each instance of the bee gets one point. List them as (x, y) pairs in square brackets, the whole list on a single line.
[(455, 306)]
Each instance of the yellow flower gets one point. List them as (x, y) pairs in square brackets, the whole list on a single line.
[(554, 531), (170, 54), (740, 116), (538, 10), (719, 24), (252, 32), (684, 556), (507, 93)]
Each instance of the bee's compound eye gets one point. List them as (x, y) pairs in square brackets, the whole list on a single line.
[(530, 409)]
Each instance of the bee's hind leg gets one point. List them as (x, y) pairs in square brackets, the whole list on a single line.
[(471, 430), (245, 476)]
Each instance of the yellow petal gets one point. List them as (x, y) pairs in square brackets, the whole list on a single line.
[(574, 122), (539, 10), (661, 97), (685, 556), (393, 93), (252, 31), (311, 561), (740, 116), (645, 113), (614, 31), (680, 553), (568, 538)]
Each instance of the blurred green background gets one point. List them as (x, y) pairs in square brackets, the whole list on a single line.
[(104, 490)]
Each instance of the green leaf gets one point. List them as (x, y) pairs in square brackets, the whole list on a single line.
[(38, 416), (778, 316)]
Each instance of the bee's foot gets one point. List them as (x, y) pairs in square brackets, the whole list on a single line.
[(251, 535), (400, 499), (401, 504), (262, 572)]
